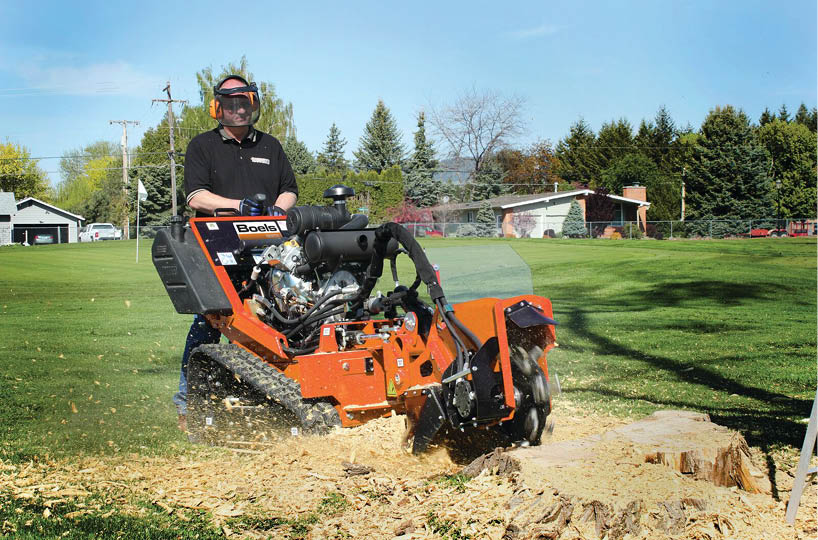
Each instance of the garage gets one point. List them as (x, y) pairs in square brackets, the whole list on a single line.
[(37, 223)]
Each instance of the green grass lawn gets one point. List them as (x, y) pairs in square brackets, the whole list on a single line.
[(90, 344)]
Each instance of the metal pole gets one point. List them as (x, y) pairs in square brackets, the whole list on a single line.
[(137, 227), (125, 166), (671, 229), (684, 172)]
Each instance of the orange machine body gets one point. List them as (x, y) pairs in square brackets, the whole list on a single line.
[(387, 372)]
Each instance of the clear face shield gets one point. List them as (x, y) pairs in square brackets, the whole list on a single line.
[(238, 107)]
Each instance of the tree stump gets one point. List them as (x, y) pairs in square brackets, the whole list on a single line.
[(682, 440)]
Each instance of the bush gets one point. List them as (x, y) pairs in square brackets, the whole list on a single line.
[(632, 230), (468, 229), (616, 236)]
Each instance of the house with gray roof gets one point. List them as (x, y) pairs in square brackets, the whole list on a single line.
[(34, 221), (542, 214)]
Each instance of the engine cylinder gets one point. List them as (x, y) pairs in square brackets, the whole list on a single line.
[(301, 219), (351, 245)]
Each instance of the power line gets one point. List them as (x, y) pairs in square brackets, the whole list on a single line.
[(170, 101)]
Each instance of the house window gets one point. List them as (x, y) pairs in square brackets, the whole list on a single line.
[(617, 220), (470, 217)]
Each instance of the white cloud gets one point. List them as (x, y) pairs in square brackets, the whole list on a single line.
[(542, 30), (113, 78)]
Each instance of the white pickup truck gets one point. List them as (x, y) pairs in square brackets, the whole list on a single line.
[(99, 231)]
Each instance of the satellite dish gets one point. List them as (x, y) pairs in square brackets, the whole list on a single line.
[(445, 199)]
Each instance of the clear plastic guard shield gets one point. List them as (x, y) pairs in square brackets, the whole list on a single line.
[(481, 271)]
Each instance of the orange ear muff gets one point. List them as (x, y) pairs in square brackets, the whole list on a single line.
[(215, 109)]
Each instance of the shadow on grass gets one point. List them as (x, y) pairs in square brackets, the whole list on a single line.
[(726, 293), (770, 426)]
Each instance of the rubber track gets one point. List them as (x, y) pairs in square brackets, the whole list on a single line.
[(315, 416)]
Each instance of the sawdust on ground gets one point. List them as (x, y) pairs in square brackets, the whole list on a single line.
[(394, 494)]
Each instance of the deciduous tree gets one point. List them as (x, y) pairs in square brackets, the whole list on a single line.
[(792, 148), (531, 170), (523, 223), (276, 115), (20, 174), (478, 124)]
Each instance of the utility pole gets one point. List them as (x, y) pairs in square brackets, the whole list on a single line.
[(684, 170), (170, 101), (125, 165)]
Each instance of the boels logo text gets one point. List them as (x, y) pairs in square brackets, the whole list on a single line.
[(257, 230)]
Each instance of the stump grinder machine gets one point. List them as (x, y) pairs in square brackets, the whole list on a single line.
[(310, 342)]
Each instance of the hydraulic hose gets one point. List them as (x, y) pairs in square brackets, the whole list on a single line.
[(309, 312)]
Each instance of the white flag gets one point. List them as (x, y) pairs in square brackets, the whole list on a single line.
[(141, 191)]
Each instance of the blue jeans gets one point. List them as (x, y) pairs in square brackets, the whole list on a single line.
[(201, 333)]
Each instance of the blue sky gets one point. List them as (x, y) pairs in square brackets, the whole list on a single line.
[(67, 68)]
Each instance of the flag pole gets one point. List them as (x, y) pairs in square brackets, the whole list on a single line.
[(138, 197)]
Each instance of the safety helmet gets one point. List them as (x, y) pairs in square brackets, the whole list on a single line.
[(235, 107)]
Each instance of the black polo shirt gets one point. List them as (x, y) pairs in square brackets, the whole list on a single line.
[(218, 163)]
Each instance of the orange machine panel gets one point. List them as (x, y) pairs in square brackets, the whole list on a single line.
[(353, 377)]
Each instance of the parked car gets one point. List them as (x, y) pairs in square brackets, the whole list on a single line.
[(99, 231), (762, 233), (43, 238)]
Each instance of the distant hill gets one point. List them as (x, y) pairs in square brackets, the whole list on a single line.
[(453, 170)]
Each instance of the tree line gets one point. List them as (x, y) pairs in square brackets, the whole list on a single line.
[(729, 166)]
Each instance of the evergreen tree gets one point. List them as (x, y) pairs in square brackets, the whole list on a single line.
[(634, 168), (152, 159), (802, 116), (576, 154), (421, 187), (655, 139), (156, 209), (574, 224), (728, 174), (486, 221), (381, 147), (301, 159), (783, 115), (614, 140), (489, 182), (332, 156), (766, 117)]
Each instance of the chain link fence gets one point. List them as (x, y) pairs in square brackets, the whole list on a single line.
[(715, 228)]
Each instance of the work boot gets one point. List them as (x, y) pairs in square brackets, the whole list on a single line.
[(182, 423)]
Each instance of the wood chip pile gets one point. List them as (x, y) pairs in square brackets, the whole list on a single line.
[(377, 490)]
